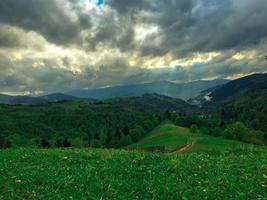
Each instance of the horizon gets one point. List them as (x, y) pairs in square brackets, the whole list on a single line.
[(58, 45), (114, 86)]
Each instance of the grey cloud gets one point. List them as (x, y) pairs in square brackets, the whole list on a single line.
[(189, 26), (46, 17), (16, 38), (8, 37), (185, 27), (125, 7)]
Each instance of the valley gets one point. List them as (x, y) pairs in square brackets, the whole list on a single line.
[(133, 100), (135, 147)]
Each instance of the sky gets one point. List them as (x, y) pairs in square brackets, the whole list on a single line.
[(59, 45)]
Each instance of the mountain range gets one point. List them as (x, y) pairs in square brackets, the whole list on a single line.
[(182, 91), (197, 93)]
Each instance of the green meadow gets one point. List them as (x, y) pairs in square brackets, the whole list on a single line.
[(235, 171), (118, 174), (170, 136)]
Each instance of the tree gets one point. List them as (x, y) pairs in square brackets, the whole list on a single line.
[(217, 131), (78, 142), (167, 114), (19, 141), (66, 143), (118, 133), (137, 133), (103, 139), (58, 142), (125, 140), (236, 131), (96, 143), (125, 130), (148, 125), (45, 143), (194, 128), (63, 143), (2, 142)]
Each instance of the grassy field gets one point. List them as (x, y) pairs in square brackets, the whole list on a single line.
[(167, 135), (171, 137), (115, 174), (212, 169)]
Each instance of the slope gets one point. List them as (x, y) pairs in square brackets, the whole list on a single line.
[(173, 137), (232, 88), (25, 125), (153, 103), (249, 107)]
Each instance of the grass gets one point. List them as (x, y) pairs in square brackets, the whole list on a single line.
[(167, 135), (213, 169), (117, 174), (171, 137)]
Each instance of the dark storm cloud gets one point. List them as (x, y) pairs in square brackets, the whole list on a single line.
[(44, 16), (209, 25), (189, 26), (114, 47)]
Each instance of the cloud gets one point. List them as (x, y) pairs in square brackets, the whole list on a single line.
[(52, 18), (57, 45), (13, 37)]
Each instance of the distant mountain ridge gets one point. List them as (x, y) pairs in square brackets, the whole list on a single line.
[(182, 91), (5, 99), (28, 100), (230, 89)]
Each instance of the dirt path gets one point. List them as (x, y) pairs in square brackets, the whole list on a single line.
[(184, 148)]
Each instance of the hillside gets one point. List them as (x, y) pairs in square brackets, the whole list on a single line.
[(249, 107), (182, 91), (154, 103), (235, 87), (172, 137), (110, 123)]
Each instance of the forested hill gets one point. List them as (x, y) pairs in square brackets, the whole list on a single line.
[(111, 123), (249, 107), (153, 103), (228, 90), (235, 87)]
